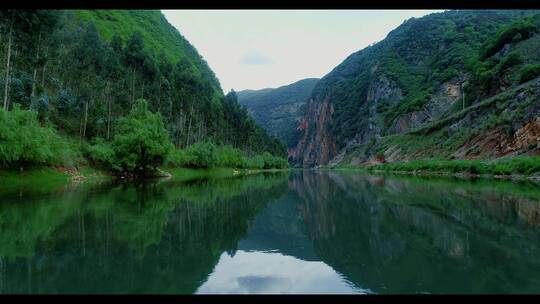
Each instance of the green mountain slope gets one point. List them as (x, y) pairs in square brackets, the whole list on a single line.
[(279, 110), (158, 34), (425, 70), (83, 71)]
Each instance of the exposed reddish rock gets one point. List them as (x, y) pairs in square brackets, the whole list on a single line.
[(496, 143), (317, 145), (526, 136)]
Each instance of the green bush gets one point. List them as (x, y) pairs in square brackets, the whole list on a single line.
[(505, 166), (23, 141), (208, 155), (515, 32), (273, 162), (201, 155), (141, 144), (509, 61), (177, 158), (529, 72), (230, 157), (102, 155)]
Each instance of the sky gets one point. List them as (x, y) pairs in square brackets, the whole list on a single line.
[(255, 49)]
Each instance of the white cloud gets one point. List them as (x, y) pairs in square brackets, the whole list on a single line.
[(255, 58)]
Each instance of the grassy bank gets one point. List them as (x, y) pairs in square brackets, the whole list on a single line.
[(515, 167), (187, 174)]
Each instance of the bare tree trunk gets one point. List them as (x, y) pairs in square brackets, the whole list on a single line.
[(159, 95), (132, 87), (177, 139), (109, 110), (80, 130), (85, 118), (189, 125), (200, 131), (35, 68), (183, 126), (6, 82), (43, 75)]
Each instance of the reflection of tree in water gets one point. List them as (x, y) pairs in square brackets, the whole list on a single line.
[(404, 235), (153, 237)]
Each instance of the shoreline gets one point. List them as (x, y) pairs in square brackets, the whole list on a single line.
[(87, 173), (426, 173)]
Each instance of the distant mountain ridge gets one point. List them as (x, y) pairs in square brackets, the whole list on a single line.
[(278, 110)]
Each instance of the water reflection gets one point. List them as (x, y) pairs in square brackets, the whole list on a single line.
[(255, 272), (303, 232)]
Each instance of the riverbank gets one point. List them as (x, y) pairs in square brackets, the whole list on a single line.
[(48, 177), (515, 168)]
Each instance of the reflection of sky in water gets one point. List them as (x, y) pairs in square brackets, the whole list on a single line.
[(272, 272)]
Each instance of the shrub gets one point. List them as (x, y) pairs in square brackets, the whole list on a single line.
[(506, 166), (228, 156), (177, 158), (23, 141), (529, 72), (513, 33), (140, 145), (208, 155), (102, 155), (200, 155), (509, 61)]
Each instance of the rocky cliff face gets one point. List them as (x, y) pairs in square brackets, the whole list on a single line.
[(437, 106), (317, 145), (423, 72)]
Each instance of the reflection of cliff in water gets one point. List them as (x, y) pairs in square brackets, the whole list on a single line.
[(384, 234), (401, 234), (148, 238), (280, 226)]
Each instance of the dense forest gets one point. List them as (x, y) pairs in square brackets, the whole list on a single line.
[(424, 91), (279, 110), (81, 72)]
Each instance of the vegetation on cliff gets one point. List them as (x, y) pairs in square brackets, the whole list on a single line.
[(435, 87)]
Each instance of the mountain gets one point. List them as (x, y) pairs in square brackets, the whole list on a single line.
[(82, 71), (158, 35), (279, 110), (455, 84)]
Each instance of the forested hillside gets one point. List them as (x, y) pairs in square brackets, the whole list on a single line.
[(82, 71), (424, 91), (279, 110)]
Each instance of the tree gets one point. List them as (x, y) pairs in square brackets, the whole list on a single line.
[(141, 143)]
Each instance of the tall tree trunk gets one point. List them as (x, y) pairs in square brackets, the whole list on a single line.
[(132, 87), (43, 75), (6, 82), (159, 95), (180, 126), (109, 110), (189, 125), (85, 118), (35, 68), (80, 129)]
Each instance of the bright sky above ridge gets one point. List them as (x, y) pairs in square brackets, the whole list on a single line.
[(255, 49)]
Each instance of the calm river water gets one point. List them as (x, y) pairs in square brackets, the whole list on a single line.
[(295, 232)]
